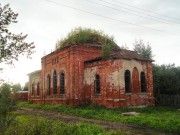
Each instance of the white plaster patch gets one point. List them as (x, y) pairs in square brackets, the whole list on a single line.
[(89, 75), (128, 65), (115, 78)]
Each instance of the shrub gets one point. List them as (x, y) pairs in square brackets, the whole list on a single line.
[(7, 105), (86, 35)]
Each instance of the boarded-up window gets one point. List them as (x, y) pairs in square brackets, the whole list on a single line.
[(127, 78)]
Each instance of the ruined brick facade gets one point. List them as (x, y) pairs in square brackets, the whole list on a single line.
[(77, 74)]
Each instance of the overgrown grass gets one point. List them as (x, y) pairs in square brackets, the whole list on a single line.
[(86, 35), (161, 118), (26, 125)]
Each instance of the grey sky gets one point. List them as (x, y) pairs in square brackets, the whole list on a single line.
[(46, 21)]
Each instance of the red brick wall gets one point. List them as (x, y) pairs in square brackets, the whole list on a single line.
[(79, 79), (23, 96), (112, 83), (71, 62)]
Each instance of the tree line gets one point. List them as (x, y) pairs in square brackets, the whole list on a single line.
[(166, 78)]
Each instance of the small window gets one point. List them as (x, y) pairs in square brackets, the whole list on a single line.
[(48, 84), (38, 89), (62, 83), (127, 78), (97, 84), (32, 90), (143, 82), (54, 82)]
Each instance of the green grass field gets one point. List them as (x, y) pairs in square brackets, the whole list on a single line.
[(166, 119), (28, 125)]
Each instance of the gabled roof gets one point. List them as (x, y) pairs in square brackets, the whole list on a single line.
[(128, 54), (122, 54)]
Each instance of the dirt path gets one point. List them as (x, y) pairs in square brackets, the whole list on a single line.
[(74, 119)]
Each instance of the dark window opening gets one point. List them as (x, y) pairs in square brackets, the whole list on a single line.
[(97, 84), (62, 83), (32, 90), (48, 84), (38, 89), (127, 81), (143, 82), (54, 82)]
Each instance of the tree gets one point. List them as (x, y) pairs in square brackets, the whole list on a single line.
[(166, 79), (11, 45), (26, 86), (7, 105), (17, 87), (142, 49)]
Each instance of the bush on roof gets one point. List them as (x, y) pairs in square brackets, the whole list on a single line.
[(86, 36)]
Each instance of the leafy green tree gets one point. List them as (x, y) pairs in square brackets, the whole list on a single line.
[(143, 49), (17, 87), (166, 79), (11, 45), (7, 105), (26, 86)]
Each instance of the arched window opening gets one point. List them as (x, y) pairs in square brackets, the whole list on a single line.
[(127, 78), (38, 89), (62, 83), (48, 84), (54, 82), (32, 90), (143, 82), (97, 84)]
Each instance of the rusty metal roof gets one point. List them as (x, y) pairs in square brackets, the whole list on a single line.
[(128, 54), (122, 54)]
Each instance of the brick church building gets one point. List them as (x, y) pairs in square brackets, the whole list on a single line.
[(78, 74)]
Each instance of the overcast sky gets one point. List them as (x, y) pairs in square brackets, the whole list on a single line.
[(46, 21)]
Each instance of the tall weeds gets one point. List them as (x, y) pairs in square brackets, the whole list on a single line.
[(86, 35)]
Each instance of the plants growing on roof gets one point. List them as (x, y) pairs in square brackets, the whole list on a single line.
[(86, 36)]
